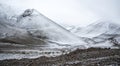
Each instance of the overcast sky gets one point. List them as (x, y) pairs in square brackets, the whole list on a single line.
[(72, 12)]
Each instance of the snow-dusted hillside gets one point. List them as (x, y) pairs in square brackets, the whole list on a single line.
[(30, 34), (10, 33), (98, 28), (34, 25), (42, 27), (100, 34)]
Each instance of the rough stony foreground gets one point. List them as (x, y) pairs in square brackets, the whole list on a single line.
[(80, 57)]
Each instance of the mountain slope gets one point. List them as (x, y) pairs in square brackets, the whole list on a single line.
[(42, 27), (101, 34), (9, 33), (33, 27), (98, 28), (31, 34)]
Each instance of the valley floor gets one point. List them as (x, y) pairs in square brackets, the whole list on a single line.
[(80, 57)]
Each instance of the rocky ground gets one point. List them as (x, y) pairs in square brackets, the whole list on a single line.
[(80, 57)]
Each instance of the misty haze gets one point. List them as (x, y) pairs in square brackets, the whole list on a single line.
[(59, 33)]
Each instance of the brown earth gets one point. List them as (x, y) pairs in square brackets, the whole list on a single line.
[(80, 57)]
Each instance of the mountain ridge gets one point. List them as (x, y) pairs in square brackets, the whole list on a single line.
[(98, 28)]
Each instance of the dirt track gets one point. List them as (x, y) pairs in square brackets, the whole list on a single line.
[(88, 57)]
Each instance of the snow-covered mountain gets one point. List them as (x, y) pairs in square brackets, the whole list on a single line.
[(10, 33), (33, 34), (34, 25), (100, 34), (98, 28), (40, 26)]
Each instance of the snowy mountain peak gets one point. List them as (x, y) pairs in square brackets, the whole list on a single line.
[(39, 25), (98, 28), (105, 25), (27, 12), (34, 28), (102, 23), (30, 12)]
